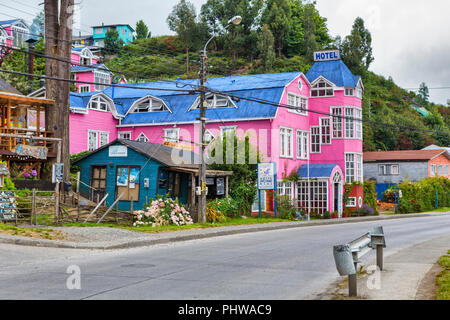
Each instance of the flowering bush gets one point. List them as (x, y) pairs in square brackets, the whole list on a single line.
[(162, 212)]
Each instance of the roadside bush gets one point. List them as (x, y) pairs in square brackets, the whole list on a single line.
[(421, 196), (161, 212), (286, 208), (227, 206), (370, 196), (365, 211), (326, 215), (389, 195)]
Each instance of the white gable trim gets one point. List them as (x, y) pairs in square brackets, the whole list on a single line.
[(110, 101), (197, 101), (319, 78), (138, 101)]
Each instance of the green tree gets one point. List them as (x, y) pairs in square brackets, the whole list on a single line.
[(182, 20), (276, 16), (266, 47), (243, 181), (424, 93), (241, 39), (142, 31), (357, 48), (112, 42)]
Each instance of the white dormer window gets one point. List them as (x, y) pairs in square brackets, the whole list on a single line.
[(142, 138), (99, 103), (150, 105), (214, 101), (322, 89), (349, 92)]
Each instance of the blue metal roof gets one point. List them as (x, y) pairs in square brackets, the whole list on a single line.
[(335, 71), (8, 21), (263, 86), (316, 170), (80, 100), (91, 67)]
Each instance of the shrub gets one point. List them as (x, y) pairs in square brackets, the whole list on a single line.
[(326, 215), (228, 206), (421, 196), (370, 196), (365, 211), (162, 212), (214, 213), (286, 208)]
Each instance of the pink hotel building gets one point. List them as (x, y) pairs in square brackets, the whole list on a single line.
[(319, 139)]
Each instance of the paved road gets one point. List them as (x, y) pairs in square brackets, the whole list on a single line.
[(282, 264)]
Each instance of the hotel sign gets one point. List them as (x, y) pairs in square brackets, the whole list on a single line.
[(327, 55), (267, 176)]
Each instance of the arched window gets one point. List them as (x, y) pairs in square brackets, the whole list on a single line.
[(86, 57), (99, 103), (150, 105), (215, 101), (322, 89)]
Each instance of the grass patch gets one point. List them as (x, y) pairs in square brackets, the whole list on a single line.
[(150, 229), (443, 279), (31, 232)]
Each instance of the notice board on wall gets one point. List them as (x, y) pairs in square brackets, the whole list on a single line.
[(8, 208)]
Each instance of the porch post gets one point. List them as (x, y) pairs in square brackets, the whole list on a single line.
[(226, 186)]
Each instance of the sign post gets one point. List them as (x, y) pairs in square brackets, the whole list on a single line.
[(267, 180)]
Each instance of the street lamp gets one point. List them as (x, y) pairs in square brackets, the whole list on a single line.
[(202, 170)]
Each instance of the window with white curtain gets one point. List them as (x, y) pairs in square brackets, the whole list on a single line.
[(102, 79), (302, 144), (286, 142), (172, 135)]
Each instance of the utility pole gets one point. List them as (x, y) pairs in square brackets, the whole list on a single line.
[(202, 168), (58, 43)]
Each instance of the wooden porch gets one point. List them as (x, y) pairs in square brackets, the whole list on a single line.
[(22, 119)]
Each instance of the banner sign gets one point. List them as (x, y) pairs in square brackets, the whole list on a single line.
[(8, 208), (182, 146), (267, 176), (118, 151), (31, 151), (327, 55)]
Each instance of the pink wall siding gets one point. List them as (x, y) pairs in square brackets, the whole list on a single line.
[(94, 120), (85, 76)]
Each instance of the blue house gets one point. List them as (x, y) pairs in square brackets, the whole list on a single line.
[(138, 171), (125, 32)]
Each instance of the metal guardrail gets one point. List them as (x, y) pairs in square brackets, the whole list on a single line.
[(348, 256)]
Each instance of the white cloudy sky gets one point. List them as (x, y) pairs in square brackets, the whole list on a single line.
[(411, 39)]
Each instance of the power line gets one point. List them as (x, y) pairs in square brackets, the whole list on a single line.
[(57, 58), (190, 91), (275, 104)]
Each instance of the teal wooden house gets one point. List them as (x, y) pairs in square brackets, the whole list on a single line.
[(139, 171), (125, 32)]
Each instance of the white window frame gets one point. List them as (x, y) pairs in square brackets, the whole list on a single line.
[(440, 170), (349, 132), (337, 122), (298, 101), (142, 135), (446, 170), (145, 105), (358, 124), (433, 170), (316, 188), (349, 92), (302, 144), (350, 171), (351, 203), (286, 188), (120, 135), (166, 135), (313, 137), (315, 87), (327, 134), (213, 105), (100, 101), (19, 35), (84, 88), (286, 142), (98, 142), (101, 77), (209, 136)]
